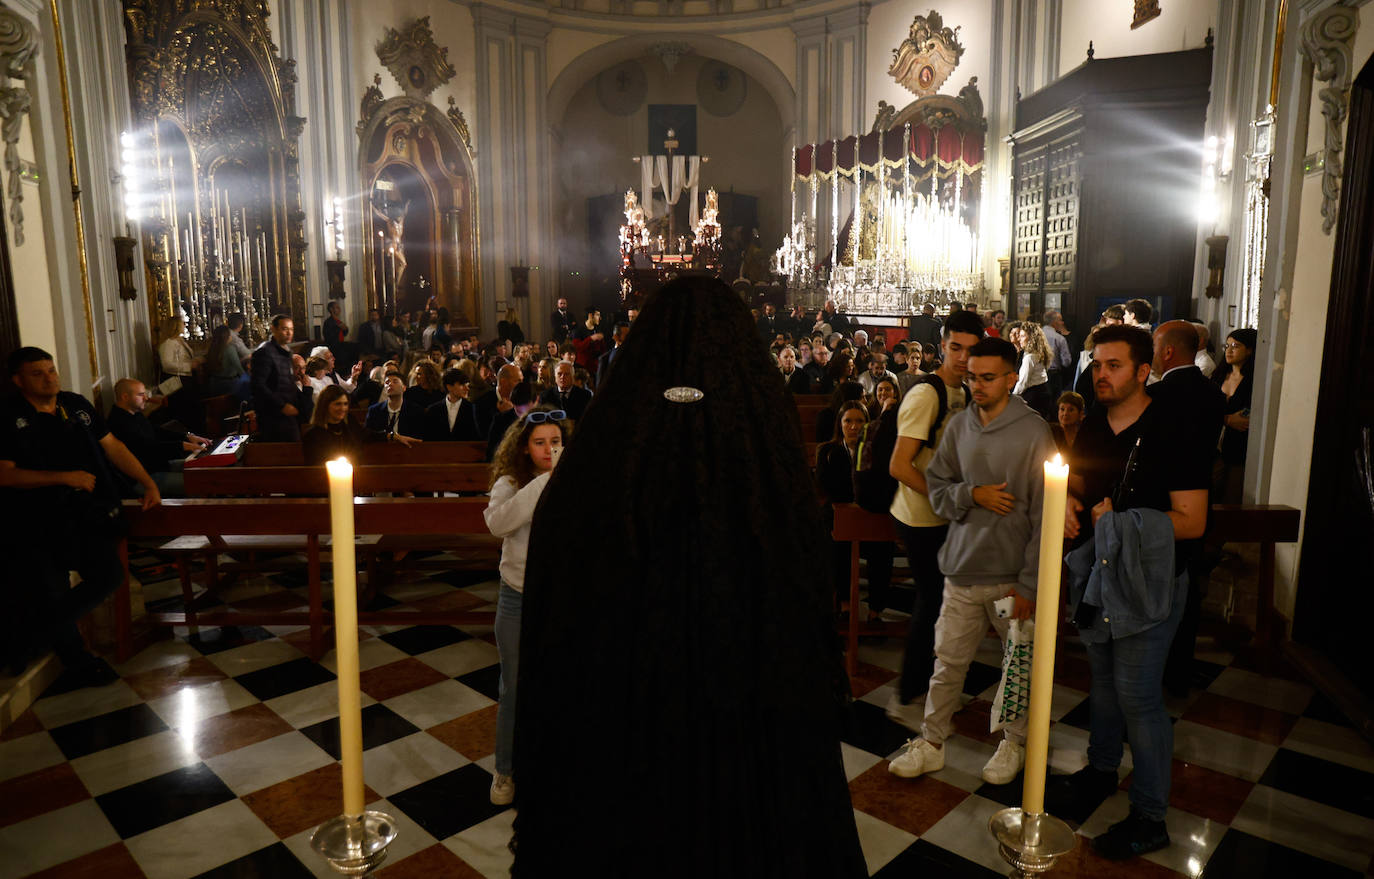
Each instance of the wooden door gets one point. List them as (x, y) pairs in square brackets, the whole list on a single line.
[(1333, 599)]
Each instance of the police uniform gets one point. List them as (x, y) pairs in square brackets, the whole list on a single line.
[(51, 530)]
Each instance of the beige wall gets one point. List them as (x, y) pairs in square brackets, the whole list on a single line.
[(1181, 24), (1302, 362), (452, 26), (29, 264)]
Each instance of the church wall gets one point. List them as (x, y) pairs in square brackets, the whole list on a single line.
[(1302, 359), (1107, 23), (746, 150), (33, 290)]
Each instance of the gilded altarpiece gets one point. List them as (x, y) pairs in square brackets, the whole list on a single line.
[(421, 219), (213, 105)]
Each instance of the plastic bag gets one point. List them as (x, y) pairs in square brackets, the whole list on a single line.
[(1012, 701)]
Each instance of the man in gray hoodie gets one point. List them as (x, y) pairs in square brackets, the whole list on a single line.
[(987, 479)]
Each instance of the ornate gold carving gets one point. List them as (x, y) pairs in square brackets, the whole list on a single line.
[(928, 55), (372, 99), (1326, 40), (1145, 10), (886, 114), (18, 45), (456, 117), (414, 59), (207, 74)]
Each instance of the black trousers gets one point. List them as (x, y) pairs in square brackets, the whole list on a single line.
[(277, 429), (879, 557), (922, 552), (46, 606)]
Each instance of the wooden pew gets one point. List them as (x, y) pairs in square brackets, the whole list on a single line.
[(291, 454), (1265, 524), (368, 479), (304, 517)]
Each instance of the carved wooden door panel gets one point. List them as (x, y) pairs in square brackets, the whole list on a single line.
[(1028, 232), (1063, 185)]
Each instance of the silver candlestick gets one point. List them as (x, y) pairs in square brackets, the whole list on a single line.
[(1030, 842), (355, 845)]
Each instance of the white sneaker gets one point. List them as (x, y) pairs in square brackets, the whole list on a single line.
[(919, 758), (1004, 765), (502, 790), (908, 714)]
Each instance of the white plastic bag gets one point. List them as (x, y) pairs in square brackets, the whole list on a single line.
[(1013, 692)]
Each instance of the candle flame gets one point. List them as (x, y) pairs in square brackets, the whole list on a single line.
[(1058, 460), (339, 468)]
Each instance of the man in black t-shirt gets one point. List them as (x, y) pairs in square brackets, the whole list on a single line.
[(61, 513), (1127, 672)]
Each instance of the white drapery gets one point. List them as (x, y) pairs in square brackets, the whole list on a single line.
[(686, 174)]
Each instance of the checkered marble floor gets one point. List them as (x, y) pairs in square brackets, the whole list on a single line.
[(215, 755)]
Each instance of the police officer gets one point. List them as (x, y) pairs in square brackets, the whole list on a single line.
[(62, 507)]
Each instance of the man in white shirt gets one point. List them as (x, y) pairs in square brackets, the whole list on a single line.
[(452, 419), (876, 372)]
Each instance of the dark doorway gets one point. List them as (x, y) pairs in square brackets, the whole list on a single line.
[(1329, 625)]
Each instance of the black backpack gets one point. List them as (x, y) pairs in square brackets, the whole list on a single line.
[(874, 484)]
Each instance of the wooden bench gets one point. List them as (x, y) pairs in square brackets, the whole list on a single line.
[(291, 454), (1265, 524), (302, 517), (368, 479)]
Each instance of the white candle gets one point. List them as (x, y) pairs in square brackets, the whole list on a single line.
[(1046, 626), (346, 631)]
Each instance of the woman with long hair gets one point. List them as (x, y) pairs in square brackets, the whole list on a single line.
[(844, 392), (1032, 382), (426, 385), (1236, 378), (705, 639), (224, 372), (519, 471), (332, 434), (886, 394)]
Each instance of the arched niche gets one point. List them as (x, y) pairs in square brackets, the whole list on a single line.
[(421, 199), (213, 107)]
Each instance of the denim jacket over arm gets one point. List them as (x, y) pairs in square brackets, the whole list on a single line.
[(1127, 571)]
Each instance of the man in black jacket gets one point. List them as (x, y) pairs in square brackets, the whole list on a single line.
[(452, 419), (605, 361), (565, 394), (393, 414), (562, 321), (1193, 405), (161, 450), (275, 392)]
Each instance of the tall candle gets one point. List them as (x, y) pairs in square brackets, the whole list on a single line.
[(1046, 625), (346, 631)]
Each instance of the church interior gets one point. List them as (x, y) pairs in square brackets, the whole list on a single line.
[(169, 164)]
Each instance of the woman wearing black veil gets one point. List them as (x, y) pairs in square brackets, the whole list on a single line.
[(681, 693)]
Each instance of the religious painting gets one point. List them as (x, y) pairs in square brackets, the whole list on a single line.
[(1145, 10), (681, 119)]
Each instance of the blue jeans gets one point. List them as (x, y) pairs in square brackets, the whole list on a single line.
[(508, 605), (1128, 697)]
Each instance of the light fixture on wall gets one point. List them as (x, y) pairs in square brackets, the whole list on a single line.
[(334, 231), (141, 182), (1216, 169)]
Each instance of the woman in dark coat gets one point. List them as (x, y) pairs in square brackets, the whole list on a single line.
[(687, 695), (1236, 378)]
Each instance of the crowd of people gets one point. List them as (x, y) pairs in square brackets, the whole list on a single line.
[(944, 431)]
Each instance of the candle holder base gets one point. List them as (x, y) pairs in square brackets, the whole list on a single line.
[(1030, 843), (355, 845)]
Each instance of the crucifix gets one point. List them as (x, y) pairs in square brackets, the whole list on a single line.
[(670, 145)]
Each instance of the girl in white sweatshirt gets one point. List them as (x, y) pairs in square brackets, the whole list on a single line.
[(519, 471)]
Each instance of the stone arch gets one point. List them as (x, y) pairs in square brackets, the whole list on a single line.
[(754, 64)]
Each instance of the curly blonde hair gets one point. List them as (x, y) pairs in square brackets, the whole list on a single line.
[(512, 456), (1036, 345)]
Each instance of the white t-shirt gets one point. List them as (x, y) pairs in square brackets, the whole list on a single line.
[(918, 412)]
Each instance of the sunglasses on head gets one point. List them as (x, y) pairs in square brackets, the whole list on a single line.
[(541, 417)]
